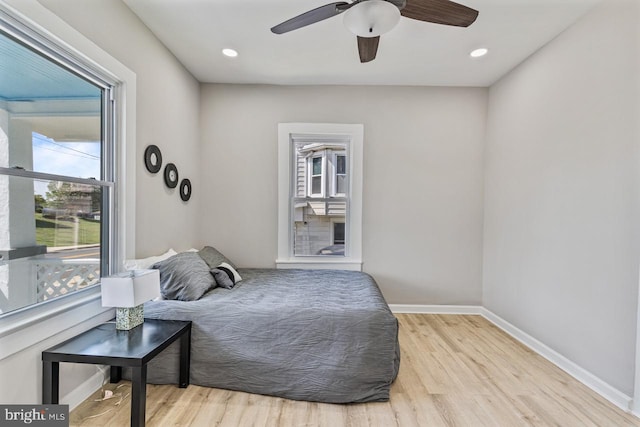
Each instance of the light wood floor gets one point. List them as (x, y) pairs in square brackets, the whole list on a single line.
[(455, 371)]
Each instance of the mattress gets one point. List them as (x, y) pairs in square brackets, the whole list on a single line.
[(316, 335)]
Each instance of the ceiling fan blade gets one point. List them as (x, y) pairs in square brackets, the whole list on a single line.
[(368, 47), (311, 17), (440, 12)]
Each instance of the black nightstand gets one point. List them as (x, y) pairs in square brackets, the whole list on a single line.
[(107, 346)]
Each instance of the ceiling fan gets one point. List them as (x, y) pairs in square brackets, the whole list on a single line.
[(368, 19)]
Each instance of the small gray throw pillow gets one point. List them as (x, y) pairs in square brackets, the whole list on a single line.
[(213, 257), (184, 277), (226, 276)]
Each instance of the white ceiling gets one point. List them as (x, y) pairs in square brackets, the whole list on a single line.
[(413, 53)]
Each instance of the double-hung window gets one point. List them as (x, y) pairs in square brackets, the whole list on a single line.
[(317, 210), (320, 196), (316, 173), (57, 177), (340, 174)]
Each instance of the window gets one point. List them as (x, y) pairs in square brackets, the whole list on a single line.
[(340, 176), (315, 167), (57, 178), (315, 160), (338, 233), (326, 168), (320, 196)]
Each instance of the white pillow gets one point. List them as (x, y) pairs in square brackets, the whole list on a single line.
[(145, 263)]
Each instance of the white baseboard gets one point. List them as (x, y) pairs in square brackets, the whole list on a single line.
[(605, 390), (435, 309), (79, 394)]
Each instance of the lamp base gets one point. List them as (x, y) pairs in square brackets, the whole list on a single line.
[(129, 318)]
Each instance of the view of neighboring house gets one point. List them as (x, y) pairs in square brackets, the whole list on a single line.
[(321, 186)]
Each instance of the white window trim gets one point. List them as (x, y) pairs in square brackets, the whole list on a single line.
[(355, 133), (23, 328)]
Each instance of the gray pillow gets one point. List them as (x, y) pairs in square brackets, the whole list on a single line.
[(184, 277), (226, 276), (213, 257)]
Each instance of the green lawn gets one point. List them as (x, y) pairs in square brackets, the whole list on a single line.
[(68, 232)]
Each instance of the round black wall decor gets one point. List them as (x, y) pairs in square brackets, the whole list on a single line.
[(171, 175), (153, 158), (185, 189)]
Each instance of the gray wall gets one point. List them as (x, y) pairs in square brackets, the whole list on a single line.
[(561, 237), (167, 116), (423, 179)]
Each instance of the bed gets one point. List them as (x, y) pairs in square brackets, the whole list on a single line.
[(316, 335)]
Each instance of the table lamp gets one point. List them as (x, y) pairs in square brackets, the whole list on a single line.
[(127, 292)]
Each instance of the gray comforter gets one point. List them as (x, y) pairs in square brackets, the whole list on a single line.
[(318, 335)]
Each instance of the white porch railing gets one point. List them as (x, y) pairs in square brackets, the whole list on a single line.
[(56, 277)]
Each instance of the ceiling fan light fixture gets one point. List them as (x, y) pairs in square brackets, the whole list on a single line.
[(371, 18)]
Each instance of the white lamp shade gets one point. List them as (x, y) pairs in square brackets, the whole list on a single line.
[(371, 18), (130, 289)]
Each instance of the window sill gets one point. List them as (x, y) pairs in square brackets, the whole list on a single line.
[(29, 326), (320, 264)]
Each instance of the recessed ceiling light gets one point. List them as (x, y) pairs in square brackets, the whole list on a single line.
[(479, 52), (230, 53)]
